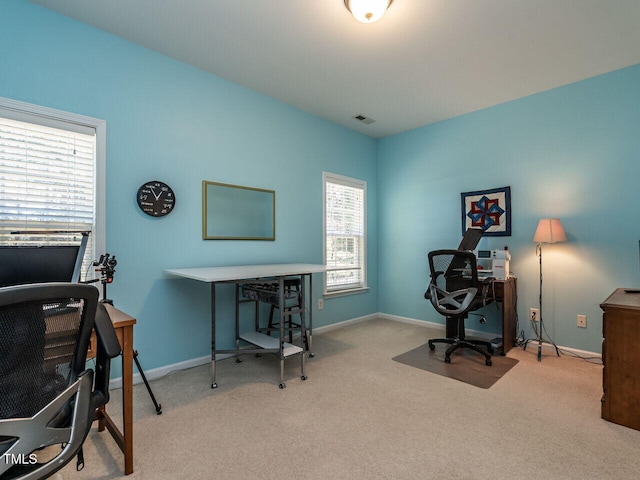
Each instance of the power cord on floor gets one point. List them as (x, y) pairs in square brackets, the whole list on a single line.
[(593, 360), (522, 343)]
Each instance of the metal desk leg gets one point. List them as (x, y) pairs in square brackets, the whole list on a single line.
[(303, 327), (213, 335), (237, 297), (310, 329), (281, 310), (310, 314)]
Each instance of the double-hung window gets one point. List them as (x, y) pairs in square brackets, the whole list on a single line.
[(345, 201), (49, 165)]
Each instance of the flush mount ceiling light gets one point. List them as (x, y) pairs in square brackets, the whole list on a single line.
[(367, 11)]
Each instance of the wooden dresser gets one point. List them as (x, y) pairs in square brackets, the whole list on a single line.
[(621, 358)]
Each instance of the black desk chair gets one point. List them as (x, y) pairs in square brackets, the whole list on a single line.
[(453, 292), (47, 395)]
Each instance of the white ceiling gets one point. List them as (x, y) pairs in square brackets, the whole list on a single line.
[(423, 62)]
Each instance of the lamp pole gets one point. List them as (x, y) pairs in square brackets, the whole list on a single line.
[(539, 254), (549, 231), (540, 339)]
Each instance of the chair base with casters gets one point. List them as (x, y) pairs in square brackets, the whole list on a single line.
[(456, 338)]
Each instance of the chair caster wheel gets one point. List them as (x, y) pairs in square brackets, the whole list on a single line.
[(214, 385), (431, 346), (258, 355), (281, 386), (488, 362), (304, 377), (311, 355), (238, 360), (447, 360)]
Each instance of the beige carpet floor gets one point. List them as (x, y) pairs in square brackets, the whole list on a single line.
[(361, 415)]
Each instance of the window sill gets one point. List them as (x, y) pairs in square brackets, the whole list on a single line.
[(342, 293)]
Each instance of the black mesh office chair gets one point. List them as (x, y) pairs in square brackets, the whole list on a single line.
[(453, 292), (47, 395)]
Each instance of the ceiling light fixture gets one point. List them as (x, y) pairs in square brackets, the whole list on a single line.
[(367, 11)]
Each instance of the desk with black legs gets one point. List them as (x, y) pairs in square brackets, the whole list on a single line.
[(259, 273), (505, 292)]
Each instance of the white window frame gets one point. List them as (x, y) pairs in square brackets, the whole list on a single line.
[(328, 177), (28, 112)]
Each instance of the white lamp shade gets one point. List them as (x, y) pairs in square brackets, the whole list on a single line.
[(549, 231), (367, 11)]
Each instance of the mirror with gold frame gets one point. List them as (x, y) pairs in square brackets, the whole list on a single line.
[(234, 212)]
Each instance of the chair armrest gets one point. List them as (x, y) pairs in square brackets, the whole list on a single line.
[(105, 333), (427, 294), (108, 348)]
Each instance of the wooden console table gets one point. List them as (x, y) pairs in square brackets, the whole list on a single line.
[(123, 325), (621, 358)]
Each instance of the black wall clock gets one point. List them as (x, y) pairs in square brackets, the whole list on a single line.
[(156, 198)]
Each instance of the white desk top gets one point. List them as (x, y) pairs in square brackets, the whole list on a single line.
[(242, 272)]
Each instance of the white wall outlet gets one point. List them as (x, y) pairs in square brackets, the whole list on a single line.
[(534, 314), (581, 321), (320, 304)]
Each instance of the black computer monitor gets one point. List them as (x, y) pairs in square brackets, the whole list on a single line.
[(471, 239), (38, 264)]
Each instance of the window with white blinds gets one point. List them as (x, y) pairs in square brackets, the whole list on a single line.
[(344, 233), (47, 181)]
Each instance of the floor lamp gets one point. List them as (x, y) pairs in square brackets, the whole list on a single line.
[(549, 231)]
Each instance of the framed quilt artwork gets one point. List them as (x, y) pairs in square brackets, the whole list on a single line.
[(489, 210)]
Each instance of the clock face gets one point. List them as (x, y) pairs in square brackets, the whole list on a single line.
[(156, 198)]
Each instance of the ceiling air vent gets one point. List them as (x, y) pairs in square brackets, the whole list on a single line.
[(365, 120)]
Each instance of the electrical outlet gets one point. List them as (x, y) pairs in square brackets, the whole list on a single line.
[(320, 304), (581, 321), (534, 314)]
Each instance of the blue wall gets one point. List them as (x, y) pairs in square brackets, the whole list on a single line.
[(175, 123), (572, 152)]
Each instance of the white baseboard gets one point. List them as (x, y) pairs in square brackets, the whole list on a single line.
[(159, 372), (490, 336), (162, 371), (412, 321), (196, 362), (344, 323), (437, 326)]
